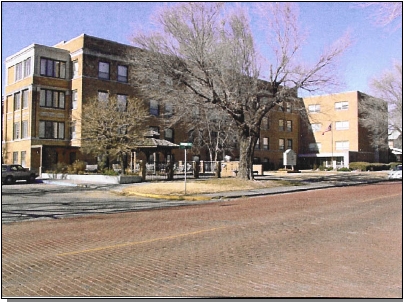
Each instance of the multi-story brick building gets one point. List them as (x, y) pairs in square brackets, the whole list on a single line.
[(333, 135), (46, 89)]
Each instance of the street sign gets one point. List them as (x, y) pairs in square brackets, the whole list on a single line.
[(185, 145)]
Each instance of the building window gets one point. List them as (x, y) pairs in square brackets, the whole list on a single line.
[(103, 96), (25, 98), (18, 71), (52, 99), (16, 131), (154, 129), (314, 108), (75, 68), (53, 68), (27, 67), (17, 101), (289, 143), (24, 132), (169, 134), (122, 73), (342, 125), (280, 125), (23, 158), (342, 145), (49, 129), (341, 106), (73, 130), (265, 123), (103, 70), (15, 158), (316, 127), (265, 143), (74, 100), (257, 146), (281, 144), (168, 110), (289, 126), (154, 110), (122, 103), (288, 106), (315, 147)]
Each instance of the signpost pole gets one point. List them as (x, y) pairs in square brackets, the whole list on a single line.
[(185, 171)]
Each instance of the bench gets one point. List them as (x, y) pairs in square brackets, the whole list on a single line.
[(91, 168)]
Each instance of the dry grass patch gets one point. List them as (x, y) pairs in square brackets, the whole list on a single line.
[(194, 187)]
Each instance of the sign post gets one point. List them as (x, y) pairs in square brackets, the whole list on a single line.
[(185, 146)]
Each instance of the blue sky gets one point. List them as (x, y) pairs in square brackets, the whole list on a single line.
[(48, 23)]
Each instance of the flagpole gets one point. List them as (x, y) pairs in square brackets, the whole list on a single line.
[(331, 123)]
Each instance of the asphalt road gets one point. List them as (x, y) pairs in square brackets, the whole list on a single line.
[(338, 242)]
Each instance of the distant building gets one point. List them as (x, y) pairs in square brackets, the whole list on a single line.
[(46, 89), (332, 135)]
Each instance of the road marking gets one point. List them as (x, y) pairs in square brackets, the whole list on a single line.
[(380, 197), (139, 242)]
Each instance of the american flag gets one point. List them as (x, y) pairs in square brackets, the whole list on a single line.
[(328, 129)]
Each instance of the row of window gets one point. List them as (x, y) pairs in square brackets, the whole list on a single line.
[(47, 129), (339, 145), (104, 72), (281, 144), (315, 108), (23, 69), (23, 158), (340, 125)]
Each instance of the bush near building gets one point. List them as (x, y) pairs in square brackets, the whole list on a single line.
[(364, 166)]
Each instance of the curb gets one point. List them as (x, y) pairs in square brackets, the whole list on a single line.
[(171, 197)]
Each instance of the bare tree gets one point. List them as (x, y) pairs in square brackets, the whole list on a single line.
[(212, 130), (209, 54), (112, 127), (387, 87), (385, 13)]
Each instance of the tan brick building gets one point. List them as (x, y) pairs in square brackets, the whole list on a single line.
[(46, 88), (333, 135)]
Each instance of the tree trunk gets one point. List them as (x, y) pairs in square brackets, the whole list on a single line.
[(247, 145)]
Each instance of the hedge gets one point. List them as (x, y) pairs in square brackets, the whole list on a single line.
[(364, 166)]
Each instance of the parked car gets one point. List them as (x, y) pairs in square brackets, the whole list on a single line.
[(396, 173), (11, 173)]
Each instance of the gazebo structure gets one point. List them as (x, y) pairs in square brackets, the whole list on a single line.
[(151, 144)]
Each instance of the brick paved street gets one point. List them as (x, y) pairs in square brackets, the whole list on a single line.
[(340, 242)]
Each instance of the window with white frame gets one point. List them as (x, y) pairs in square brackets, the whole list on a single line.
[(17, 101), (27, 67), (103, 96), (289, 143), (168, 110), (75, 68), (122, 73), (288, 106), (281, 144), (15, 158), (280, 125), (24, 100), (24, 131), (342, 125), (265, 143), (169, 134), (51, 129), (17, 132), (18, 71), (52, 99), (53, 68), (23, 158), (154, 109), (342, 145), (315, 147), (341, 106), (103, 70), (316, 127), (315, 108), (74, 99), (289, 126), (122, 102), (73, 130), (265, 123)]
